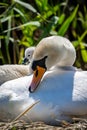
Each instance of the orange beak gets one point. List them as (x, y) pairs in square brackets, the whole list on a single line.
[(37, 76)]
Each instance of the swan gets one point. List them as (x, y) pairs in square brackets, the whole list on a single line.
[(13, 71), (51, 52), (62, 95), (9, 72), (61, 90), (28, 55)]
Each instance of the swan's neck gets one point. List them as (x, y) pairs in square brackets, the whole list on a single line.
[(68, 59)]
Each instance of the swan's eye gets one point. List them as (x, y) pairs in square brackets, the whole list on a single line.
[(28, 55), (40, 63)]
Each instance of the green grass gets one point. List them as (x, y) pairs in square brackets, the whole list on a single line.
[(24, 24)]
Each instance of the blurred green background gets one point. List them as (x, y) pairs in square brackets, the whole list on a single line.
[(24, 23)]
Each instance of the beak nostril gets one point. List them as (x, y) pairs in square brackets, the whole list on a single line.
[(36, 74), (30, 90)]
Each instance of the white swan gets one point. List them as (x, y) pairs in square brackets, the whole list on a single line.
[(9, 72), (51, 53), (28, 55), (62, 92), (13, 71)]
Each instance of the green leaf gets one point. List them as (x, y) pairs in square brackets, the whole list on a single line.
[(50, 26), (19, 12), (80, 15), (75, 43), (44, 4), (3, 4), (5, 19), (26, 5), (1, 57), (61, 19), (83, 52), (82, 36), (0, 43), (39, 5), (32, 23), (24, 43), (7, 40), (14, 128), (67, 22), (8, 10)]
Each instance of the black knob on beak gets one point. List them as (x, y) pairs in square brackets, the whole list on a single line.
[(25, 61)]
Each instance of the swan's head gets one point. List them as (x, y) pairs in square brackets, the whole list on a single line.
[(48, 53), (28, 55)]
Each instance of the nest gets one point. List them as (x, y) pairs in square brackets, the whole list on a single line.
[(17, 124), (78, 124)]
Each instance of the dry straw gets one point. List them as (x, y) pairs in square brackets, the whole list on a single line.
[(25, 111), (21, 114)]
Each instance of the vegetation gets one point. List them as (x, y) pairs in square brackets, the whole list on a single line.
[(24, 23)]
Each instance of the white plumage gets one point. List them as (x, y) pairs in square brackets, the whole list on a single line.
[(62, 91)]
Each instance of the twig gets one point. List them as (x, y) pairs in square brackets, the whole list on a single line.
[(21, 114), (24, 112)]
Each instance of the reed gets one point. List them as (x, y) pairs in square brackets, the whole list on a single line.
[(24, 24)]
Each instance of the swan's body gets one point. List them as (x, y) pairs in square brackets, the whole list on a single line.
[(9, 72), (62, 91), (62, 94)]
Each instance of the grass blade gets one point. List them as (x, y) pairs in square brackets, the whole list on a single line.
[(66, 24), (33, 23), (83, 52), (26, 5)]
